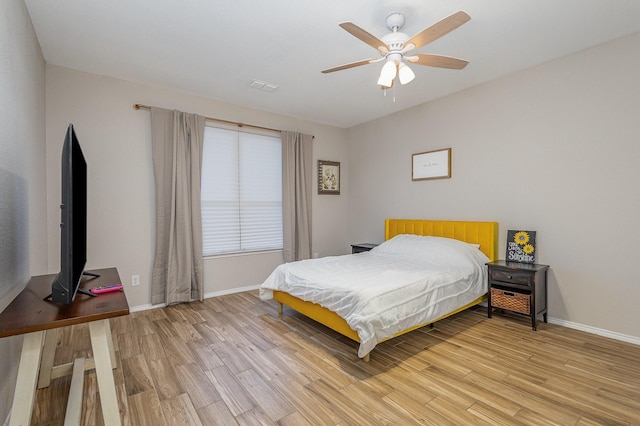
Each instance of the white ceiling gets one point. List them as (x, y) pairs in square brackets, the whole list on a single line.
[(215, 48)]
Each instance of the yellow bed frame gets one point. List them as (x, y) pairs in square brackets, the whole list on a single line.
[(483, 233)]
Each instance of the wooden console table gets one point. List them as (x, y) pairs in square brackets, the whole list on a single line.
[(39, 320)]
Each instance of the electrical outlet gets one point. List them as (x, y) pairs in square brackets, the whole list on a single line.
[(315, 255), (135, 280)]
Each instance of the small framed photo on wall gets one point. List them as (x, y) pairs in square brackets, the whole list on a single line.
[(431, 165), (328, 177)]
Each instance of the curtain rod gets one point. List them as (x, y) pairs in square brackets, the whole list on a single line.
[(141, 106)]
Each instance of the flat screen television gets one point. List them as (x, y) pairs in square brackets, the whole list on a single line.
[(73, 222)]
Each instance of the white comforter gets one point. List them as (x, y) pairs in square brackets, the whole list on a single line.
[(406, 281)]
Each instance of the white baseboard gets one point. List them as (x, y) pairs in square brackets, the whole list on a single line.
[(206, 296), (594, 330), (231, 291), (146, 307)]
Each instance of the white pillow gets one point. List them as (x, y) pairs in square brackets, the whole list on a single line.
[(410, 244)]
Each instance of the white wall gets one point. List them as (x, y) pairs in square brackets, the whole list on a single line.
[(116, 142), (555, 149), (23, 238)]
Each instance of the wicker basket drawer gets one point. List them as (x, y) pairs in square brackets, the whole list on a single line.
[(510, 300)]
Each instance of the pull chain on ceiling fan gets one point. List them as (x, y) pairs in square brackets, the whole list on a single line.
[(393, 48)]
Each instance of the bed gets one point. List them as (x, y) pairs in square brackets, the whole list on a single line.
[(424, 299)]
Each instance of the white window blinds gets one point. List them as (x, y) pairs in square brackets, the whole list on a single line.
[(241, 192)]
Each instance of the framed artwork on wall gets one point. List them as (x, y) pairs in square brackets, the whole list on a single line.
[(328, 177), (431, 165)]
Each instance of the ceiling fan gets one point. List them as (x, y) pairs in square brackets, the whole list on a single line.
[(394, 47)]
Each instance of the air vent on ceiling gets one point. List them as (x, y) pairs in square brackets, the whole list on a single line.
[(267, 87)]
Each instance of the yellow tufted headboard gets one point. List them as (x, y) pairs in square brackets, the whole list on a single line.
[(483, 233)]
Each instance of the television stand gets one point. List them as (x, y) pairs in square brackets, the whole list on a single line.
[(81, 290), (39, 322), (87, 292)]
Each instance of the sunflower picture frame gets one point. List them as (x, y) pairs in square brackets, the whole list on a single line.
[(521, 246), (328, 177)]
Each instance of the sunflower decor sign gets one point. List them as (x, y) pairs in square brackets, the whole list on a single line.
[(521, 246)]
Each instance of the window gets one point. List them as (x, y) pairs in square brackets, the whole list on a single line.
[(241, 192)]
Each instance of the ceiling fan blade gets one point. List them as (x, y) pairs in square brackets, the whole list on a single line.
[(350, 65), (368, 38), (437, 61), (438, 29)]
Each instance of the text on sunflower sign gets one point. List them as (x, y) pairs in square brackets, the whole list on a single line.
[(521, 246)]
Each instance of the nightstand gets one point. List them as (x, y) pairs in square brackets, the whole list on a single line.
[(518, 287), (360, 247)]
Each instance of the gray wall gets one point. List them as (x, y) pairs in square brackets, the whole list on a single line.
[(23, 236), (554, 149)]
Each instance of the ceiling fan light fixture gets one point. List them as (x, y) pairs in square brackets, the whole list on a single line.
[(387, 74), (389, 70), (405, 74), (384, 82)]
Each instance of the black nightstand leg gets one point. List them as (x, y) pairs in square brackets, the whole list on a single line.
[(489, 309)]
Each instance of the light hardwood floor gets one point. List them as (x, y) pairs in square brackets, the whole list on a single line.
[(231, 360)]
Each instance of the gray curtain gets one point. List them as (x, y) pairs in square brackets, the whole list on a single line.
[(177, 140), (297, 184)]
